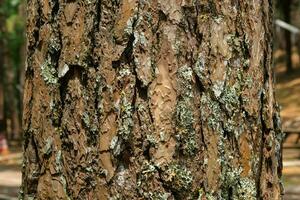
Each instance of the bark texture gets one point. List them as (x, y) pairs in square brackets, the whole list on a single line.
[(161, 99)]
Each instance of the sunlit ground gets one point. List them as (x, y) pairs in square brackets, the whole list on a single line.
[(10, 174)]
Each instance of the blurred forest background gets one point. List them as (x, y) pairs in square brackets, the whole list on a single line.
[(12, 59), (12, 65)]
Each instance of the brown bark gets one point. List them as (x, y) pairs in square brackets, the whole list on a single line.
[(159, 99)]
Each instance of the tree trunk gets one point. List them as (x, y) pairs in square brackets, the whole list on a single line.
[(150, 100)]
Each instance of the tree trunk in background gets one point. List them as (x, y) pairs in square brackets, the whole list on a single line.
[(11, 105), (150, 100), (288, 41), (2, 120)]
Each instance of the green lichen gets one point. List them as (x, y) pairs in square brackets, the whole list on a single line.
[(218, 19), (233, 184), (64, 184), (125, 125), (55, 108), (125, 118), (177, 177), (116, 145), (214, 115), (58, 162), (156, 195), (90, 124), (54, 45), (200, 69), (234, 42), (152, 140), (218, 88), (49, 72), (124, 72), (248, 82), (202, 194), (185, 132), (246, 189), (86, 119), (230, 98), (174, 176), (140, 38), (147, 173)]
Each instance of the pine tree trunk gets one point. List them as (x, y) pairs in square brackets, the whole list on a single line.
[(150, 100)]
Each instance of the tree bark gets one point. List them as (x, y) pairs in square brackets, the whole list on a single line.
[(150, 100)]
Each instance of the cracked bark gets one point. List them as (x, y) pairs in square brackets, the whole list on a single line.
[(150, 100)]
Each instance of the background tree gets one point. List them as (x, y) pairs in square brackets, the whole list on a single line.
[(288, 10), (286, 7), (150, 100), (2, 121)]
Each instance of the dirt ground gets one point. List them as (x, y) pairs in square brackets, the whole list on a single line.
[(10, 175)]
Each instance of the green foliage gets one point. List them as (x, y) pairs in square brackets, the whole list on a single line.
[(12, 30)]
